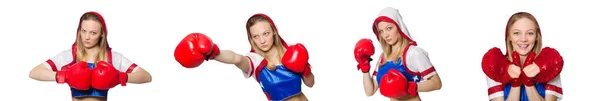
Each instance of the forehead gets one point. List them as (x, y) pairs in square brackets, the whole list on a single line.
[(260, 27), (383, 24), (523, 24), (90, 25)]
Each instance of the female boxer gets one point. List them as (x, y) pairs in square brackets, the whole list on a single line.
[(90, 68), (403, 69), (529, 72), (279, 68)]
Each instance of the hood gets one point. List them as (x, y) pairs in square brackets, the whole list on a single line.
[(101, 22), (392, 15), (274, 28), (506, 31)]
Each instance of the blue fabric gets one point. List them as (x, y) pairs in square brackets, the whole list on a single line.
[(92, 92), (540, 87), (398, 66), (280, 83)]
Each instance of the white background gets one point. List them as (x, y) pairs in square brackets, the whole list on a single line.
[(456, 34)]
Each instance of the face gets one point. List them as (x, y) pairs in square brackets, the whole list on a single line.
[(262, 35), (522, 36), (388, 32), (90, 33)]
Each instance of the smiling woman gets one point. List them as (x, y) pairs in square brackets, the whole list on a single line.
[(90, 67), (527, 71)]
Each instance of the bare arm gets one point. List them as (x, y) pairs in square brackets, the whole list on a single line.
[(369, 84), (230, 57), (434, 83), (42, 73), (139, 76), (309, 80), (514, 93)]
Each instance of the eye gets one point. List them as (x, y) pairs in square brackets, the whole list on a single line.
[(380, 31), (516, 33), (82, 30), (266, 33), (389, 28), (254, 37), (531, 33), (93, 33)]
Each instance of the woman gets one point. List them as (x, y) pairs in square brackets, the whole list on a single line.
[(529, 72), (279, 68), (403, 69), (90, 68)]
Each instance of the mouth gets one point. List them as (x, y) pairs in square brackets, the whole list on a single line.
[(523, 46)]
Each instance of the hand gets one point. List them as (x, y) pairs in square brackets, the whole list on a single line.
[(531, 70), (514, 71)]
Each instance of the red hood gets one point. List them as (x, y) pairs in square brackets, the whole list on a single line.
[(274, 28), (103, 29)]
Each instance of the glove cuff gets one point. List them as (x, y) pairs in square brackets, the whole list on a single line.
[(516, 83), (61, 77), (412, 88), (214, 53), (307, 70), (527, 82), (123, 78)]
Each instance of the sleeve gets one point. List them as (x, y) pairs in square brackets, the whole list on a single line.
[(376, 64), (418, 59), (495, 89), (57, 62), (255, 60), (122, 63), (554, 87)]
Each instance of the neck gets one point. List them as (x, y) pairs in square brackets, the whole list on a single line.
[(523, 58), (92, 51), (396, 47), (272, 53)]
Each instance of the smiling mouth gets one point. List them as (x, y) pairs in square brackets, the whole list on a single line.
[(523, 46)]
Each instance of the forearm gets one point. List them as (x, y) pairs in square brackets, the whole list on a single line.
[(309, 80), (532, 94), (229, 57), (138, 77), (369, 85), (514, 93), (41, 73), (434, 83)]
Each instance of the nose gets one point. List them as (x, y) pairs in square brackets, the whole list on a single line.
[(385, 34), (85, 36), (522, 38), (262, 39)]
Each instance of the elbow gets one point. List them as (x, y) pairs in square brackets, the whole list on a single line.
[(370, 93)]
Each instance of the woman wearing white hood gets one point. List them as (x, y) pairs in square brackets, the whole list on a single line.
[(403, 68), (522, 75)]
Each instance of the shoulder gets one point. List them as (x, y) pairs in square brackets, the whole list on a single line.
[(416, 51)]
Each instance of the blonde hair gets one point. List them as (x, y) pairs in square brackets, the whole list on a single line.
[(538, 39), (387, 48), (81, 50), (277, 44)]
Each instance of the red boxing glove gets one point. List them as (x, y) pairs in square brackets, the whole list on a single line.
[(517, 61), (296, 59), (363, 51), (78, 76), (393, 84), (529, 60), (105, 76), (495, 65), (194, 49), (550, 63)]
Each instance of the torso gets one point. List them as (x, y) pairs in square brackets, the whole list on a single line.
[(407, 98), (299, 97), (280, 83), (89, 99)]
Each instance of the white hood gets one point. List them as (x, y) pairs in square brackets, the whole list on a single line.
[(392, 15)]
